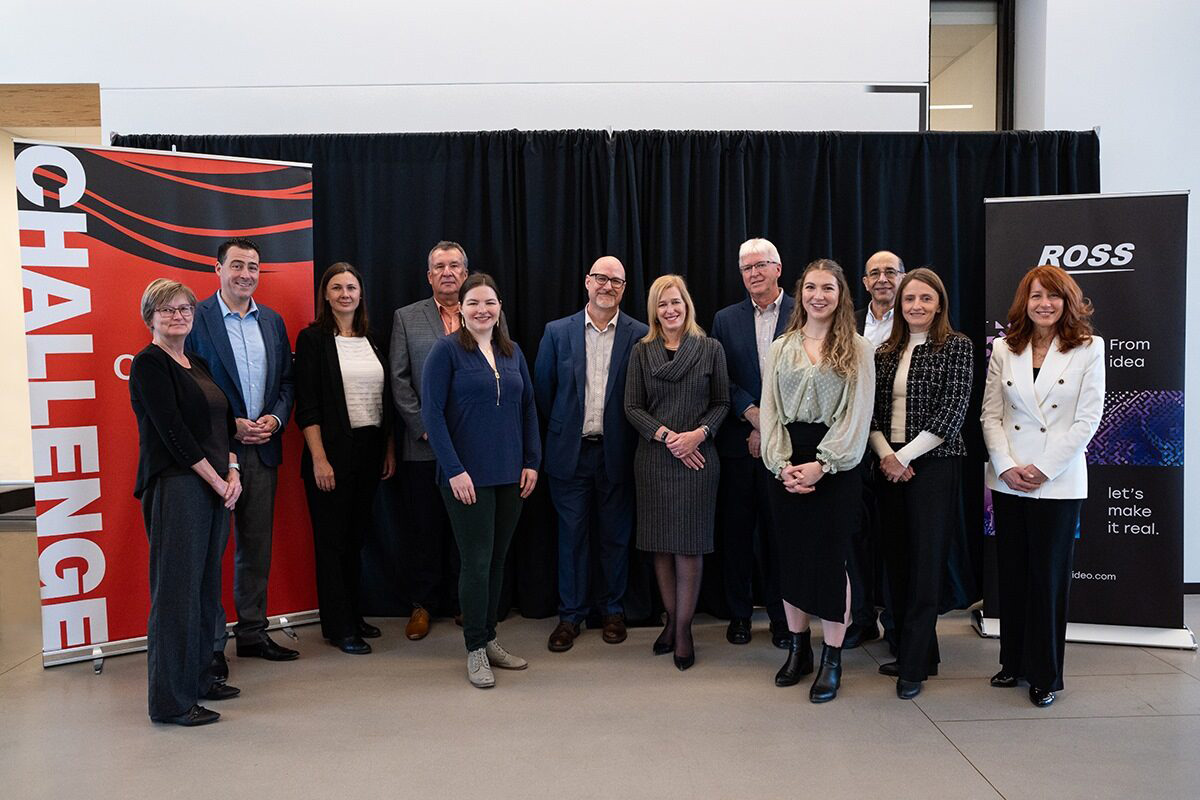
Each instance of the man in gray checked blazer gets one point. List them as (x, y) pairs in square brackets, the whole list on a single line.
[(415, 328)]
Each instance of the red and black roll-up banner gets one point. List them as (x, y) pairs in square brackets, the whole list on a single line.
[(97, 225)]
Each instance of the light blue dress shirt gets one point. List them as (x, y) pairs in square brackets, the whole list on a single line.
[(249, 353)]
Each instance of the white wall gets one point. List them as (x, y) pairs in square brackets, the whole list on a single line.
[(1132, 69), (270, 66)]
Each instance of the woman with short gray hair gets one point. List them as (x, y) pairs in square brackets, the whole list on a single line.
[(187, 481)]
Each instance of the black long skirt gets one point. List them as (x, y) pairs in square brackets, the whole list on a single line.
[(813, 531)]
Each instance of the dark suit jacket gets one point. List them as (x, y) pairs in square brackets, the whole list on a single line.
[(172, 414), (733, 327), (321, 395), (211, 341), (560, 382), (860, 320)]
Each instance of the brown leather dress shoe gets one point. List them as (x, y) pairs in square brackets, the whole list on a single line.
[(418, 624), (563, 637), (614, 628)]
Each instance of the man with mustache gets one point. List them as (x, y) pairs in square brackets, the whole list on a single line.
[(579, 382), (746, 330), (247, 348), (881, 277), (432, 552)]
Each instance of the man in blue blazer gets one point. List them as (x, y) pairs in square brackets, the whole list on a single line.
[(246, 346), (746, 330), (579, 382)]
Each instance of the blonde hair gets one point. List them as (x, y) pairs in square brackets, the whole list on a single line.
[(660, 285), (839, 351), (160, 291)]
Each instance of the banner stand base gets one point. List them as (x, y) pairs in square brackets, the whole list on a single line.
[(1086, 633), (97, 653)]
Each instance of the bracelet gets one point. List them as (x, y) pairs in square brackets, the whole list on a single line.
[(234, 465)]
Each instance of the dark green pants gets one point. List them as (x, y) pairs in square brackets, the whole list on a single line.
[(483, 530)]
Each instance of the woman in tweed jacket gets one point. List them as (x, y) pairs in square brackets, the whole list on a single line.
[(923, 385), (676, 394)]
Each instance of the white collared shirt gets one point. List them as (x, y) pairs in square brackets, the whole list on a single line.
[(598, 345), (878, 330), (765, 320)]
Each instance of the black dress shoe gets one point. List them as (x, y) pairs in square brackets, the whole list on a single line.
[(1040, 697), (1004, 680), (368, 631), (221, 691), (799, 660), (907, 690), (685, 663), (781, 637), (219, 668), (196, 715), (665, 643), (265, 648), (738, 631), (890, 668), (354, 645)]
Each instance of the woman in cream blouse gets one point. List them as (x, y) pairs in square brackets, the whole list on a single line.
[(818, 391)]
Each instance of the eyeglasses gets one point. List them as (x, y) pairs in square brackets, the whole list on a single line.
[(759, 265), (184, 311), (605, 280), (889, 273)]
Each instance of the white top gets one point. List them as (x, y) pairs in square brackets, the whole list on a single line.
[(765, 321), (362, 379), (924, 441), (878, 330), (598, 345)]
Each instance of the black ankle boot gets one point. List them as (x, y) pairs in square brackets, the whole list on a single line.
[(799, 660), (829, 676)]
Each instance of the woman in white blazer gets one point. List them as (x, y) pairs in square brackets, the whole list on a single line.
[(1041, 406)]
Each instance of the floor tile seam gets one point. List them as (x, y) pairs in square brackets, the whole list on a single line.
[(19, 664), (1071, 718), (957, 749), (1175, 667)]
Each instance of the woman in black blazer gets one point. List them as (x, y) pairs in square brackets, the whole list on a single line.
[(344, 408), (187, 480), (922, 387)]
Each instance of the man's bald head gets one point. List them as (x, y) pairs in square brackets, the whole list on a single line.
[(605, 284), (881, 277)]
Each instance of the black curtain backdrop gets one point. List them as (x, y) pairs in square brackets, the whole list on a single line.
[(535, 209)]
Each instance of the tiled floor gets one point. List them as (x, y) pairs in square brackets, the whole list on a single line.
[(611, 722)]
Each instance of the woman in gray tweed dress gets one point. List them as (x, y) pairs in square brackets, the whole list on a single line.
[(676, 394)]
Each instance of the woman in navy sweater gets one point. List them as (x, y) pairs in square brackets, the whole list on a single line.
[(478, 408)]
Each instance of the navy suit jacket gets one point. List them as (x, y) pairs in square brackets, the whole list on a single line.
[(733, 327), (211, 341), (560, 382)]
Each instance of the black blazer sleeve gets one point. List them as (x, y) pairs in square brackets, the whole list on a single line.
[(152, 384)]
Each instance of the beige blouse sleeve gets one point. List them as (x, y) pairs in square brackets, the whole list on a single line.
[(844, 444), (776, 444)]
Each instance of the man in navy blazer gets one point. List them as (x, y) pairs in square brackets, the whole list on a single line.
[(746, 330), (246, 346), (579, 382)]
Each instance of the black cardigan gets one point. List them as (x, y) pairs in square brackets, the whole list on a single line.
[(938, 390), (321, 395), (172, 413)]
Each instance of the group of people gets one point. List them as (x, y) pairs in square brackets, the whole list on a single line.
[(817, 436)]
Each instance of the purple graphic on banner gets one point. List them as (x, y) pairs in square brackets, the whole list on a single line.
[(1140, 429)]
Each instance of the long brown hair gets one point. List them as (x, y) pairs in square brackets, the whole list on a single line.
[(839, 350), (325, 319), (660, 285), (939, 329), (500, 340), (1073, 328)]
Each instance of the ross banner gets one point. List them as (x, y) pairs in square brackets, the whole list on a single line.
[(1129, 255), (97, 224)]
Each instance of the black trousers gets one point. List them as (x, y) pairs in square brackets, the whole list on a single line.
[(186, 524), (340, 519), (920, 517), (744, 516), (430, 552), (865, 566), (1035, 548)]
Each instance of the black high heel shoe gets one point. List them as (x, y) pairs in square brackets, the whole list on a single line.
[(829, 676), (799, 660), (661, 645), (685, 663)]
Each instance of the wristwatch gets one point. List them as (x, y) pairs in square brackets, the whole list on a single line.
[(707, 431), (825, 468), (663, 436), (235, 465)]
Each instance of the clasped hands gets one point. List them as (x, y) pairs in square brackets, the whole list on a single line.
[(893, 470), (463, 488), (801, 478), (1023, 479), (686, 446), (257, 431)]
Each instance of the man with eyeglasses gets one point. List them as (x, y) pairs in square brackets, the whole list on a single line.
[(579, 382), (881, 277), (746, 330), (247, 347), (431, 556)]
